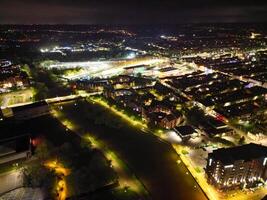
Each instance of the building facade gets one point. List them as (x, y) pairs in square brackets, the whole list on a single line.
[(242, 166), (14, 148), (32, 110)]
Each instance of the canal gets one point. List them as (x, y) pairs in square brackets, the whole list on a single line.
[(152, 161)]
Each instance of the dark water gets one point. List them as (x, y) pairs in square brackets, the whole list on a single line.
[(153, 161)]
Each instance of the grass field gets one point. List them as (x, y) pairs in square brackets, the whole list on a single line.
[(16, 97)]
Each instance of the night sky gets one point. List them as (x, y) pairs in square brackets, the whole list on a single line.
[(131, 11)]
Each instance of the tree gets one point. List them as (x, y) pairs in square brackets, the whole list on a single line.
[(195, 115), (36, 175), (41, 91), (86, 143), (42, 151), (242, 140), (26, 69)]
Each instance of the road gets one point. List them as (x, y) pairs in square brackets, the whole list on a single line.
[(70, 97), (24, 194), (10, 180), (153, 161), (61, 171), (54, 99)]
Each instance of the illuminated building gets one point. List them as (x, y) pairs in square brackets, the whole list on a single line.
[(112, 93), (242, 166), (164, 120)]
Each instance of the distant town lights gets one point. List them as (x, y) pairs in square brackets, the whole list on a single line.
[(210, 161), (228, 166), (131, 55), (254, 35)]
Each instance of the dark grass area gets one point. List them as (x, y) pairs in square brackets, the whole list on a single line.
[(45, 126), (89, 168)]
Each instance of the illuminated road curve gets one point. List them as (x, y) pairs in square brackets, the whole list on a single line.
[(61, 187), (70, 97)]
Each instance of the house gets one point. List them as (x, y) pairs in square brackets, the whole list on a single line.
[(127, 82), (214, 127), (170, 121), (11, 76), (213, 132), (159, 106), (113, 93), (91, 85), (162, 114), (185, 132), (164, 120), (215, 123)]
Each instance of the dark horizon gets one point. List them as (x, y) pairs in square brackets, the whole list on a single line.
[(136, 24), (131, 12)]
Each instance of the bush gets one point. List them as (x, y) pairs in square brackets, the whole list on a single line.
[(184, 152), (242, 140), (42, 151), (223, 141), (36, 175)]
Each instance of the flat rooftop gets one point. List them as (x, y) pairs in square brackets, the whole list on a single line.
[(185, 130), (29, 106), (245, 152)]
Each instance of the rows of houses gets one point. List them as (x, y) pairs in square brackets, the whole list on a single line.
[(117, 82), (228, 96), (227, 168), (141, 101), (11, 76)]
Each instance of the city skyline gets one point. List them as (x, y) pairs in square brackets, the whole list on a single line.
[(133, 100)]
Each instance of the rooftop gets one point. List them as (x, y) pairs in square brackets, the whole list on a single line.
[(245, 152), (29, 106), (185, 130)]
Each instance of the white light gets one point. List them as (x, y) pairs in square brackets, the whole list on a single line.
[(264, 161), (210, 161), (227, 104), (131, 55), (208, 71), (228, 166)]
